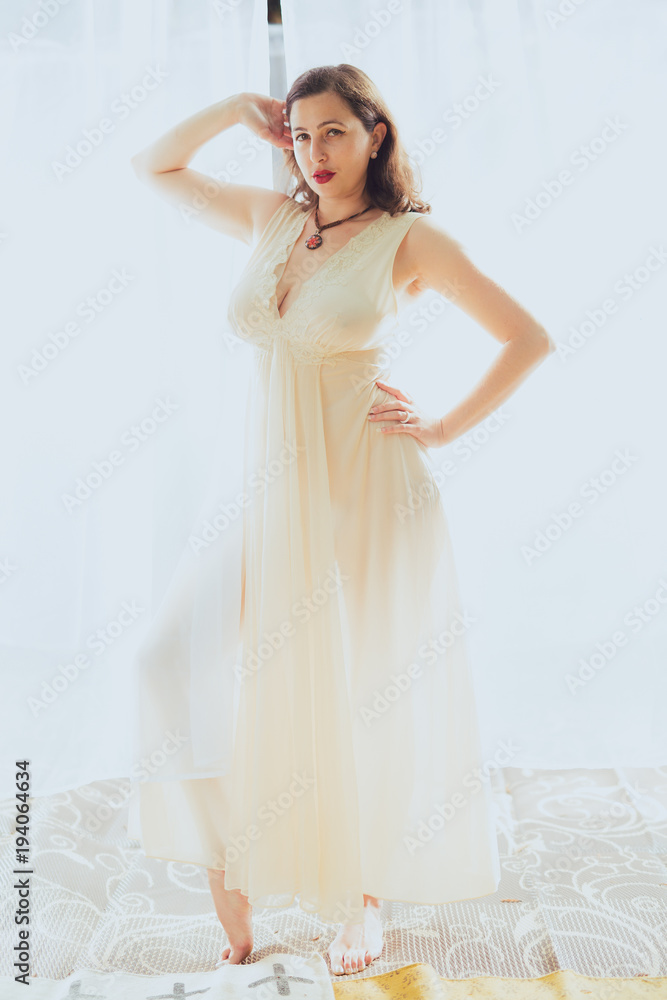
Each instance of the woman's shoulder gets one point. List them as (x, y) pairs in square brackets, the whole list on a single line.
[(270, 208), (268, 204)]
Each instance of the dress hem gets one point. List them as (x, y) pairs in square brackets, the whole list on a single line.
[(315, 913)]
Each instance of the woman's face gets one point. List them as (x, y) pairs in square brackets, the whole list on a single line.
[(329, 139)]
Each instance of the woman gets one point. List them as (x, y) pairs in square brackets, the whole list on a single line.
[(356, 741)]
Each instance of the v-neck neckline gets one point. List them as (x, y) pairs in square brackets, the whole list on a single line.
[(290, 249)]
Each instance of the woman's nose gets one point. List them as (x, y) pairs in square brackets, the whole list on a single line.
[(316, 152)]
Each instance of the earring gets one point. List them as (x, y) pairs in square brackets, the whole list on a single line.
[(373, 154)]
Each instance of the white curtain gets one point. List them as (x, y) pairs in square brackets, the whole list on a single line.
[(120, 373), (537, 131)]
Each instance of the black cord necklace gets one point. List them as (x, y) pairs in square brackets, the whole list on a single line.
[(315, 241)]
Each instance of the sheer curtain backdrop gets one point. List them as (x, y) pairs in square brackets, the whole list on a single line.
[(120, 373), (539, 139)]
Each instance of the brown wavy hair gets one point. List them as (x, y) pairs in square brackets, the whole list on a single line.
[(392, 183)]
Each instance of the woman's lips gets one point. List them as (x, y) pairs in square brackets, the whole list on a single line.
[(324, 176)]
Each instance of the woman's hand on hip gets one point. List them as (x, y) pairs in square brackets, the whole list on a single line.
[(418, 424)]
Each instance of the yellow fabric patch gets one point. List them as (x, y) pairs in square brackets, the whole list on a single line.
[(421, 982)]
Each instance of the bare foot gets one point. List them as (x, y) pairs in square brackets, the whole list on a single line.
[(235, 914), (356, 945)]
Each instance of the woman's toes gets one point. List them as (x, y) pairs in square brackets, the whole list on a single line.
[(354, 962), (223, 960)]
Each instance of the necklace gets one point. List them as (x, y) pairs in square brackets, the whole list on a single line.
[(315, 241)]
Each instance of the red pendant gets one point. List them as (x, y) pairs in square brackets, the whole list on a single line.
[(314, 241)]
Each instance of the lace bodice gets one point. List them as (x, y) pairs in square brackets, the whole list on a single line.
[(339, 309)]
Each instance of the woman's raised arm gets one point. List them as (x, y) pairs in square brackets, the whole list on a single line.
[(238, 210)]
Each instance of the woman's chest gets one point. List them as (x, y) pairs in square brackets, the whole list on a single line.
[(302, 266), (340, 292)]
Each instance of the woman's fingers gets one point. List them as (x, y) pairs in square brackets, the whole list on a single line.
[(389, 411), (408, 419), (394, 392)]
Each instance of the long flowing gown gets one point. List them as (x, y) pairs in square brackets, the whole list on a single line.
[(331, 744)]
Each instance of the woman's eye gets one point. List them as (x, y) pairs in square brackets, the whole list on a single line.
[(328, 130)]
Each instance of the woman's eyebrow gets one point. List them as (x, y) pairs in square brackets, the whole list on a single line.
[(331, 120)]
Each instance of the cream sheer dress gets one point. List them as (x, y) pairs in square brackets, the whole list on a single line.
[(332, 737)]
